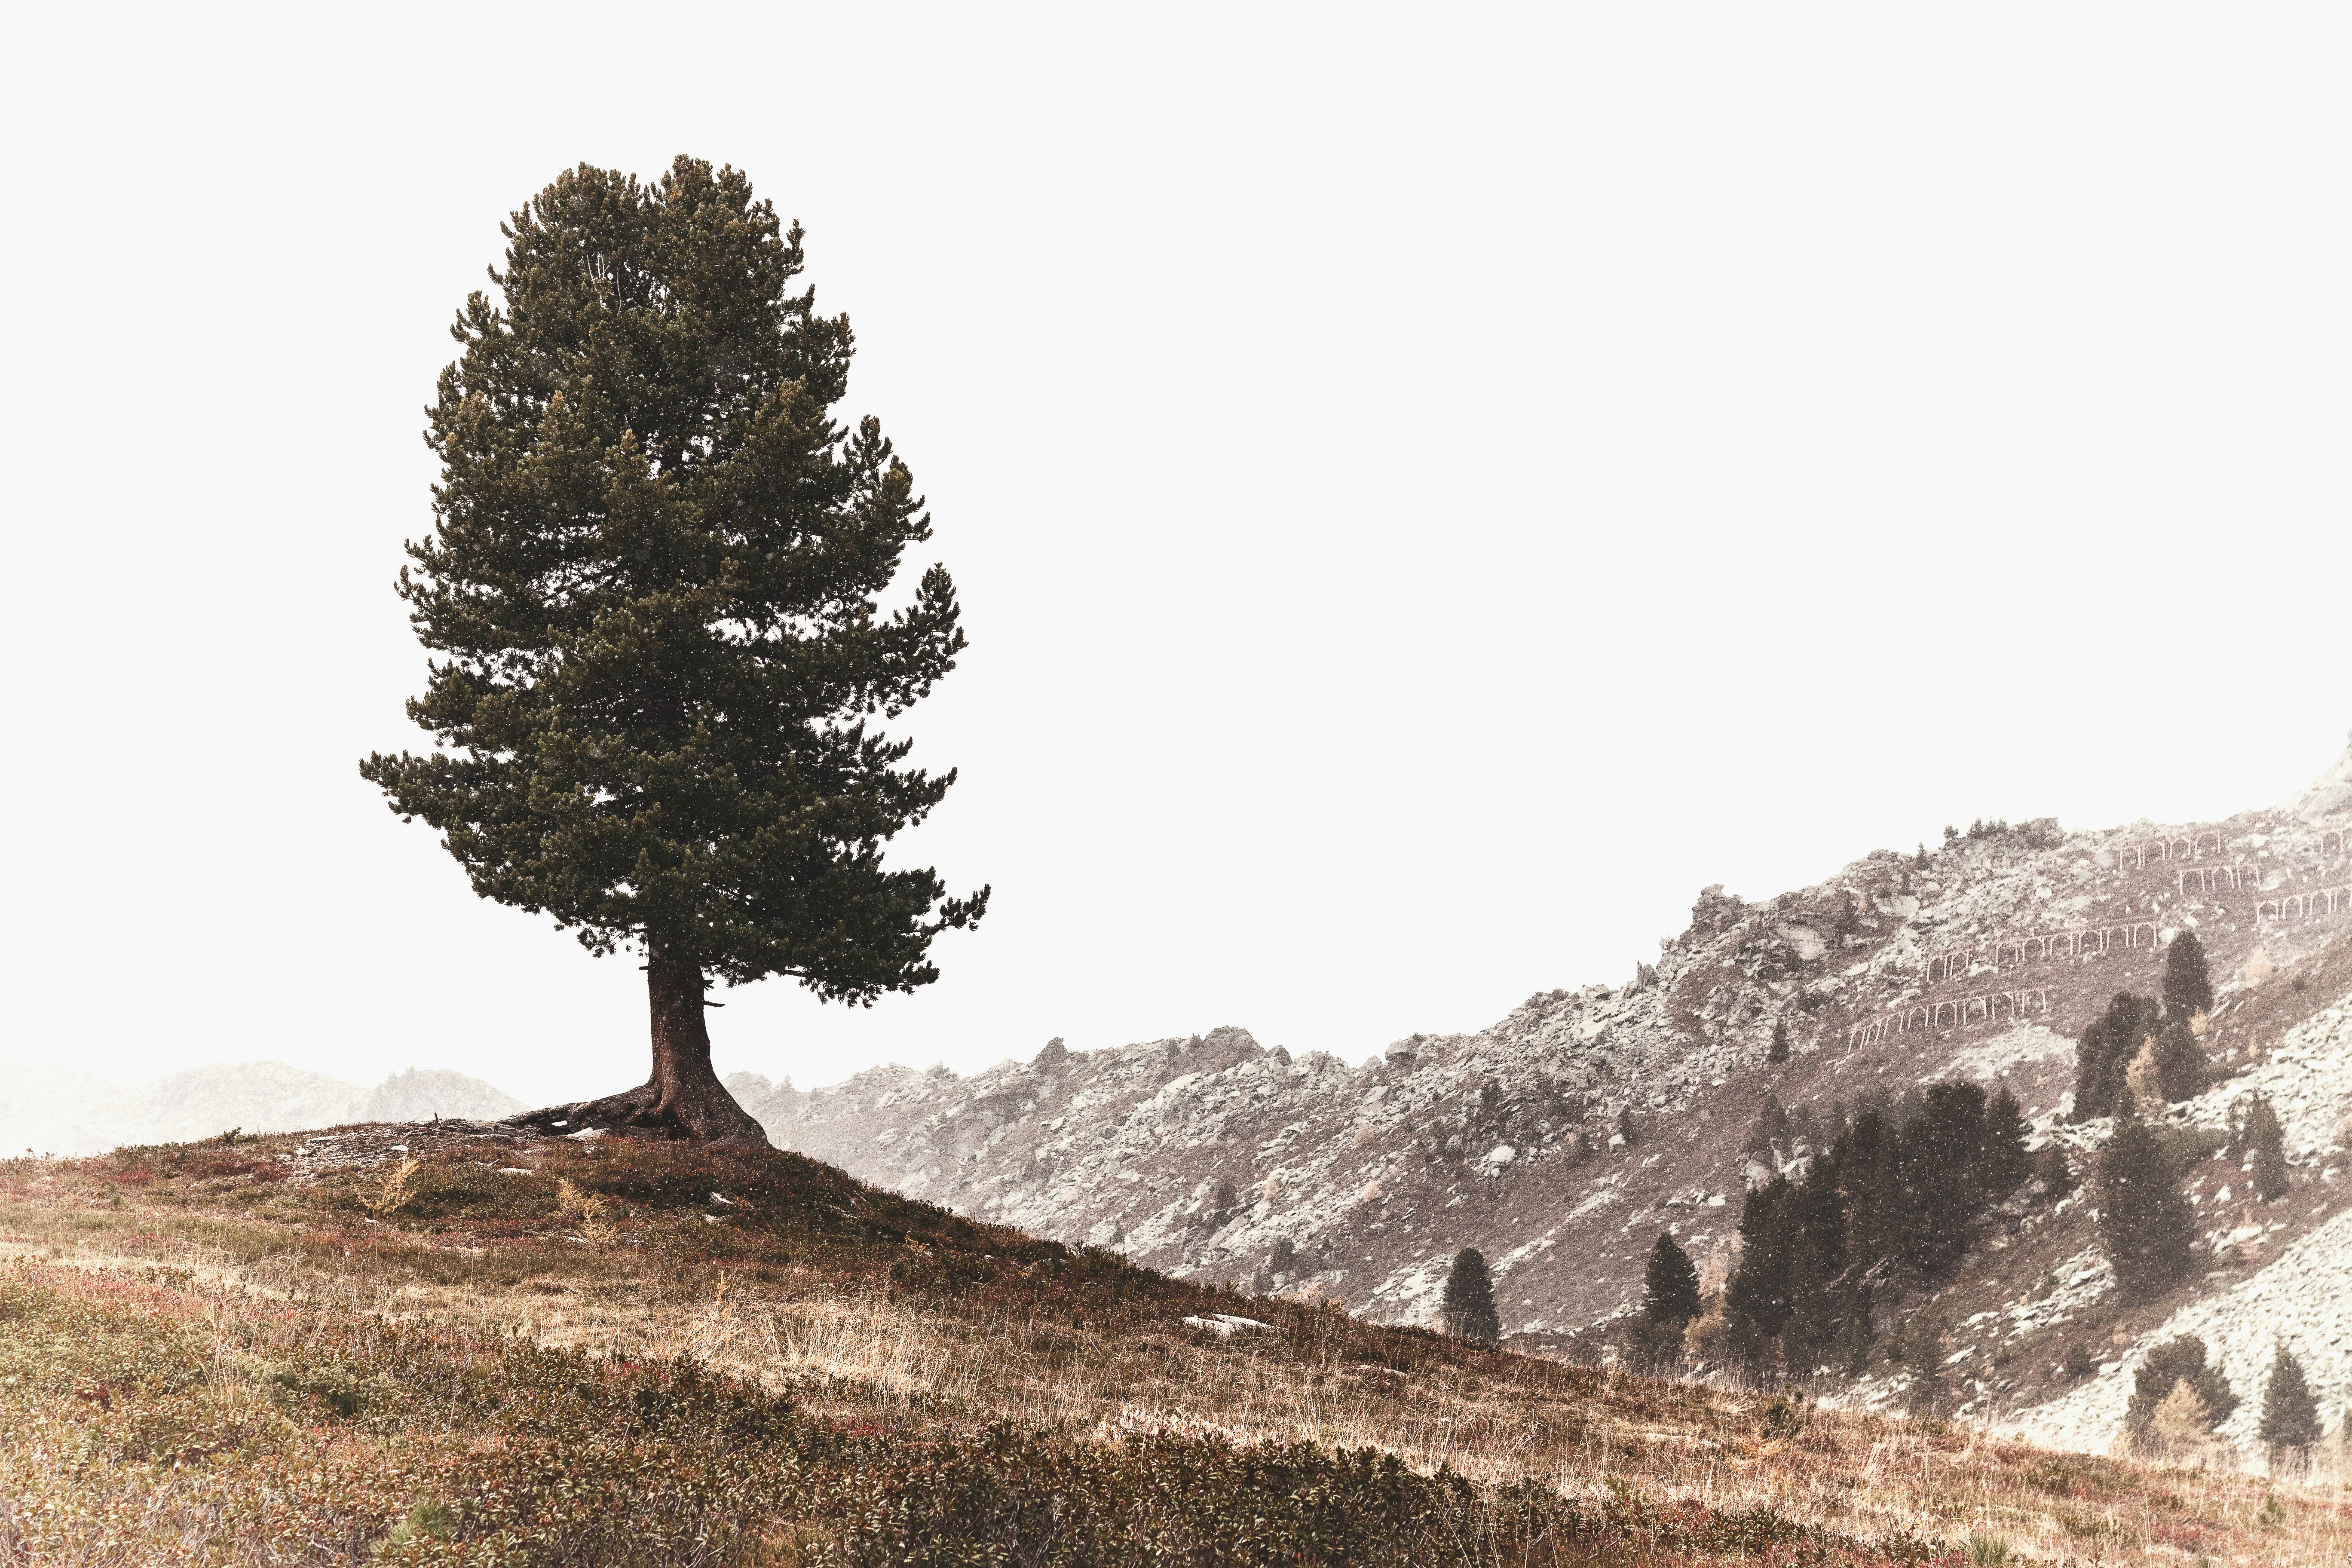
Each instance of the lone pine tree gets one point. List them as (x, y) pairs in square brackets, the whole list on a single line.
[(1467, 1308), (651, 588)]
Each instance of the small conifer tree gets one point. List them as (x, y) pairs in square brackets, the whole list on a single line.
[(2002, 1163), (2182, 1427), (1467, 1308), (2266, 1143), (1779, 1051), (2188, 985), (1670, 1285), (1625, 1126), (2145, 1220), (2256, 1136), (2104, 1053), (2175, 1364), (1939, 1177), (2290, 1410), (2180, 1063)]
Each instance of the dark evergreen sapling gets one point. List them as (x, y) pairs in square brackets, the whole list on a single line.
[(1669, 1285), (2265, 1146), (1467, 1307), (1769, 1132), (2145, 1220), (2187, 987), (2290, 1410), (2167, 1365), (2180, 1065), (2104, 1053)]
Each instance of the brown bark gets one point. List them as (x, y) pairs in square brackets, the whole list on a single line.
[(683, 1099)]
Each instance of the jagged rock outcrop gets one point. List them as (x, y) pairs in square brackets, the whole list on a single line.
[(437, 1092)]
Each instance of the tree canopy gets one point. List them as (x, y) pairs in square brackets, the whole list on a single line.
[(1670, 1284), (2187, 984), (1904, 1189), (1467, 1307), (2177, 1363), (2104, 1051), (2290, 1410), (2262, 1138), (2145, 1219)]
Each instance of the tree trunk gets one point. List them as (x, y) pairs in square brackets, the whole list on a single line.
[(683, 1099)]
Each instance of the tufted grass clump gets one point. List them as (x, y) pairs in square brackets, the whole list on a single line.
[(426, 1520)]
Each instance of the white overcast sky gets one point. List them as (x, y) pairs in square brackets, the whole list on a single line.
[(1429, 489)]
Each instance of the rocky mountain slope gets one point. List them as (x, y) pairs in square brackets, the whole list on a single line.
[(60, 1110), (1215, 1158)]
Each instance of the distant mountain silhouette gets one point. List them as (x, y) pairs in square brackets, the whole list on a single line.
[(61, 1110)]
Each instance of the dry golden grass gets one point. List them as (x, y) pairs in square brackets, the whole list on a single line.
[(866, 1330)]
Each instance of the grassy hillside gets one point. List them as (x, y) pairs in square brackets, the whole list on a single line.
[(458, 1343)]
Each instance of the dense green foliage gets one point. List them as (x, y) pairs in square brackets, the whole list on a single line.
[(1904, 1196), (1467, 1307), (2104, 1053), (2290, 1409), (653, 585), (2180, 1065), (2257, 1137), (2173, 1363), (1669, 1285), (2145, 1219), (2188, 985)]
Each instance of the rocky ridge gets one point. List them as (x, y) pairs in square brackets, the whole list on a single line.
[(1212, 1156)]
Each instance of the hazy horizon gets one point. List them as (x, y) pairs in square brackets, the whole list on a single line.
[(1426, 500)]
